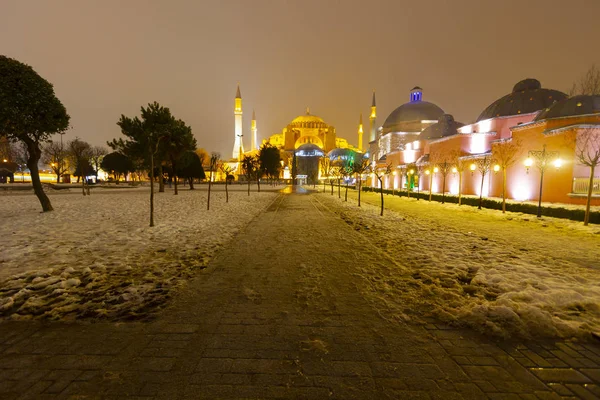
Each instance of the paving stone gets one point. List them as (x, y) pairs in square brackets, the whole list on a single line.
[(560, 375), (581, 392)]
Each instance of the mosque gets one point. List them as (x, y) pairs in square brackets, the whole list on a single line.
[(308, 136), (420, 141)]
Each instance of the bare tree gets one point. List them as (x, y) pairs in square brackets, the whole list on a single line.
[(442, 163), (360, 167), (588, 84), (96, 155), (214, 159), (483, 165), (587, 152), (79, 153), (226, 169), (380, 174), (326, 167), (55, 155), (506, 153), (459, 165)]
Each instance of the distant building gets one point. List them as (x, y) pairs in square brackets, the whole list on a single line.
[(308, 136), (417, 137)]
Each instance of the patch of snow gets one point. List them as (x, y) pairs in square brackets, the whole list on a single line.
[(96, 257)]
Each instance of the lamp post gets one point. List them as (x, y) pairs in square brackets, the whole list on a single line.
[(541, 159), (393, 182)]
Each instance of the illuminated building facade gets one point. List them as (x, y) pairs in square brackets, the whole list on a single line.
[(535, 117)]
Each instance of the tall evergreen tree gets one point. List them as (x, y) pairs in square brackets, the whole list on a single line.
[(30, 113)]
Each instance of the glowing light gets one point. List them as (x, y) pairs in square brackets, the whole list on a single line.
[(454, 170), (528, 162), (394, 173), (412, 171), (5, 160), (496, 168), (520, 191), (427, 172), (485, 126), (472, 167), (436, 170), (416, 145), (558, 163), (410, 156), (478, 144)]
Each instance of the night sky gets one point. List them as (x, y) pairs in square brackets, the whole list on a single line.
[(107, 58)]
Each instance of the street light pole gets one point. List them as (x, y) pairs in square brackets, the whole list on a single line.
[(541, 159)]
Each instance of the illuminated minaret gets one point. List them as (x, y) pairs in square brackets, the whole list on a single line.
[(238, 144), (253, 131), (360, 134), (373, 121)]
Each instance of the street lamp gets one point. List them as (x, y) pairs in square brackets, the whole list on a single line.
[(542, 159)]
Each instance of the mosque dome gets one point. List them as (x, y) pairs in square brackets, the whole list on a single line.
[(576, 105), (446, 126), (526, 97), (416, 110), (309, 150), (307, 118)]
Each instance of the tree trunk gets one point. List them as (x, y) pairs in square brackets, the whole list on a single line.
[(503, 190), (359, 190), (32, 163), (258, 184), (381, 191), (57, 177), (481, 191), (586, 219), (430, 185), (191, 183), (209, 185), (459, 188), (331, 183), (83, 184), (339, 190), (346, 194), (444, 189), (173, 167), (226, 192), (151, 188), (161, 180)]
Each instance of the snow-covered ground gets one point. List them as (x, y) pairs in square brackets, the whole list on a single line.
[(506, 274), (96, 256)]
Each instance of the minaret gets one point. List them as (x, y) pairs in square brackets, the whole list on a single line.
[(360, 134), (238, 144), (253, 131), (373, 120)]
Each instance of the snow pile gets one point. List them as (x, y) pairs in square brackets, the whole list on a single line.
[(96, 257), (504, 274)]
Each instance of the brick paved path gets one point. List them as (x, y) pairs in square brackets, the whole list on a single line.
[(277, 315)]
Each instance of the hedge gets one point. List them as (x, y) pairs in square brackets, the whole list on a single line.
[(556, 212)]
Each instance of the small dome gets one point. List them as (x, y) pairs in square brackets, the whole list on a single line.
[(413, 111), (446, 126), (309, 150), (342, 154), (576, 105), (527, 96)]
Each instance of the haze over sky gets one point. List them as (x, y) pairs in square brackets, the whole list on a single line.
[(107, 58)]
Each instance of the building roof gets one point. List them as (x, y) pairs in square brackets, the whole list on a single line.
[(308, 117), (413, 111), (576, 105), (526, 97), (446, 126)]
